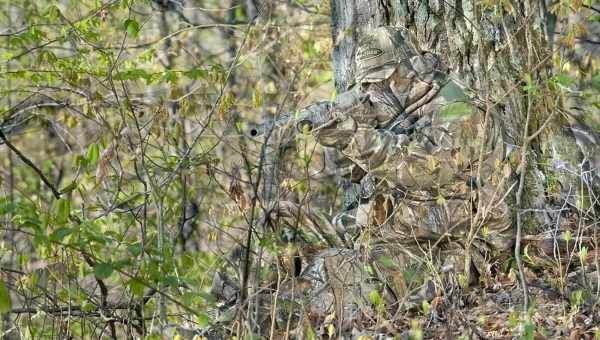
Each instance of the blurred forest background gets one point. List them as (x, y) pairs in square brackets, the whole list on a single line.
[(134, 112), (127, 179)]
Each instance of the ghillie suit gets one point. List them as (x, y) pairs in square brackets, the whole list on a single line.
[(433, 184)]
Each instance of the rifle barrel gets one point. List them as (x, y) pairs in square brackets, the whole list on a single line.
[(282, 120)]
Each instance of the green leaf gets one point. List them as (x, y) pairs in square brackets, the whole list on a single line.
[(564, 79), (132, 27), (60, 233), (80, 161), (136, 286), (456, 110), (596, 81), (6, 206), (583, 253), (88, 307), (425, 307), (134, 74), (103, 270), (93, 153), (196, 73), (62, 210), (594, 18), (375, 298), (53, 12), (203, 320), (528, 331), (69, 188), (135, 249), (208, 298), (170, 77), (5, 302), (387, 261), (567, 235), (172, 281)]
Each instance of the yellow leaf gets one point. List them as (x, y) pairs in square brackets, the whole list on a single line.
[(331, 330), (431, 163), (257, 98)]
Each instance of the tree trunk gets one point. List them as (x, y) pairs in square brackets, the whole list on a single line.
[(501, 54)]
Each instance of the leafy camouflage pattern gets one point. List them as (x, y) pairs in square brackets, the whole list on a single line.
[(433, 182), (380, 51), (432, 172)]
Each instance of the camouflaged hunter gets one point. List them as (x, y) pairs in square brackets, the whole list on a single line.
[(433, 182), (431, 165)]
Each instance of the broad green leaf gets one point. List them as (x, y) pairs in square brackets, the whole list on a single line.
[(170, 77), (203, 320), (62, 210), (453, 93), (196, 73), (172, 281), (387, 261), (132, 27), (93, 153), (456, 110), (136, 286), (135, 249), (5, 302), (88, 307), (564, 79), (60, 233), (6, 206), (103, 270)]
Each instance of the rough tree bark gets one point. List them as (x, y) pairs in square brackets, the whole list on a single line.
[(495, 51)]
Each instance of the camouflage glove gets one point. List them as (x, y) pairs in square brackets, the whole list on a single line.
[(314, 116), (336, 135), (333, 124)]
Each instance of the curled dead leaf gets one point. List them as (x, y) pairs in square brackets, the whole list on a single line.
[(237, 194), (103, 166)]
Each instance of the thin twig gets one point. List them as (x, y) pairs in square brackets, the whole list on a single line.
[(26, 160)]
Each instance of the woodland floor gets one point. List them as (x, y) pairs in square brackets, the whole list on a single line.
[(493, 313)]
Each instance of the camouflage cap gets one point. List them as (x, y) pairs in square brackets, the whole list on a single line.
[(381, 51)]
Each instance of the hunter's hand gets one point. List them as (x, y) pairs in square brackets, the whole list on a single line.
[(314, 116)]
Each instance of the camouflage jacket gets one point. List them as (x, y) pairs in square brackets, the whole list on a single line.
[(444, 170)]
